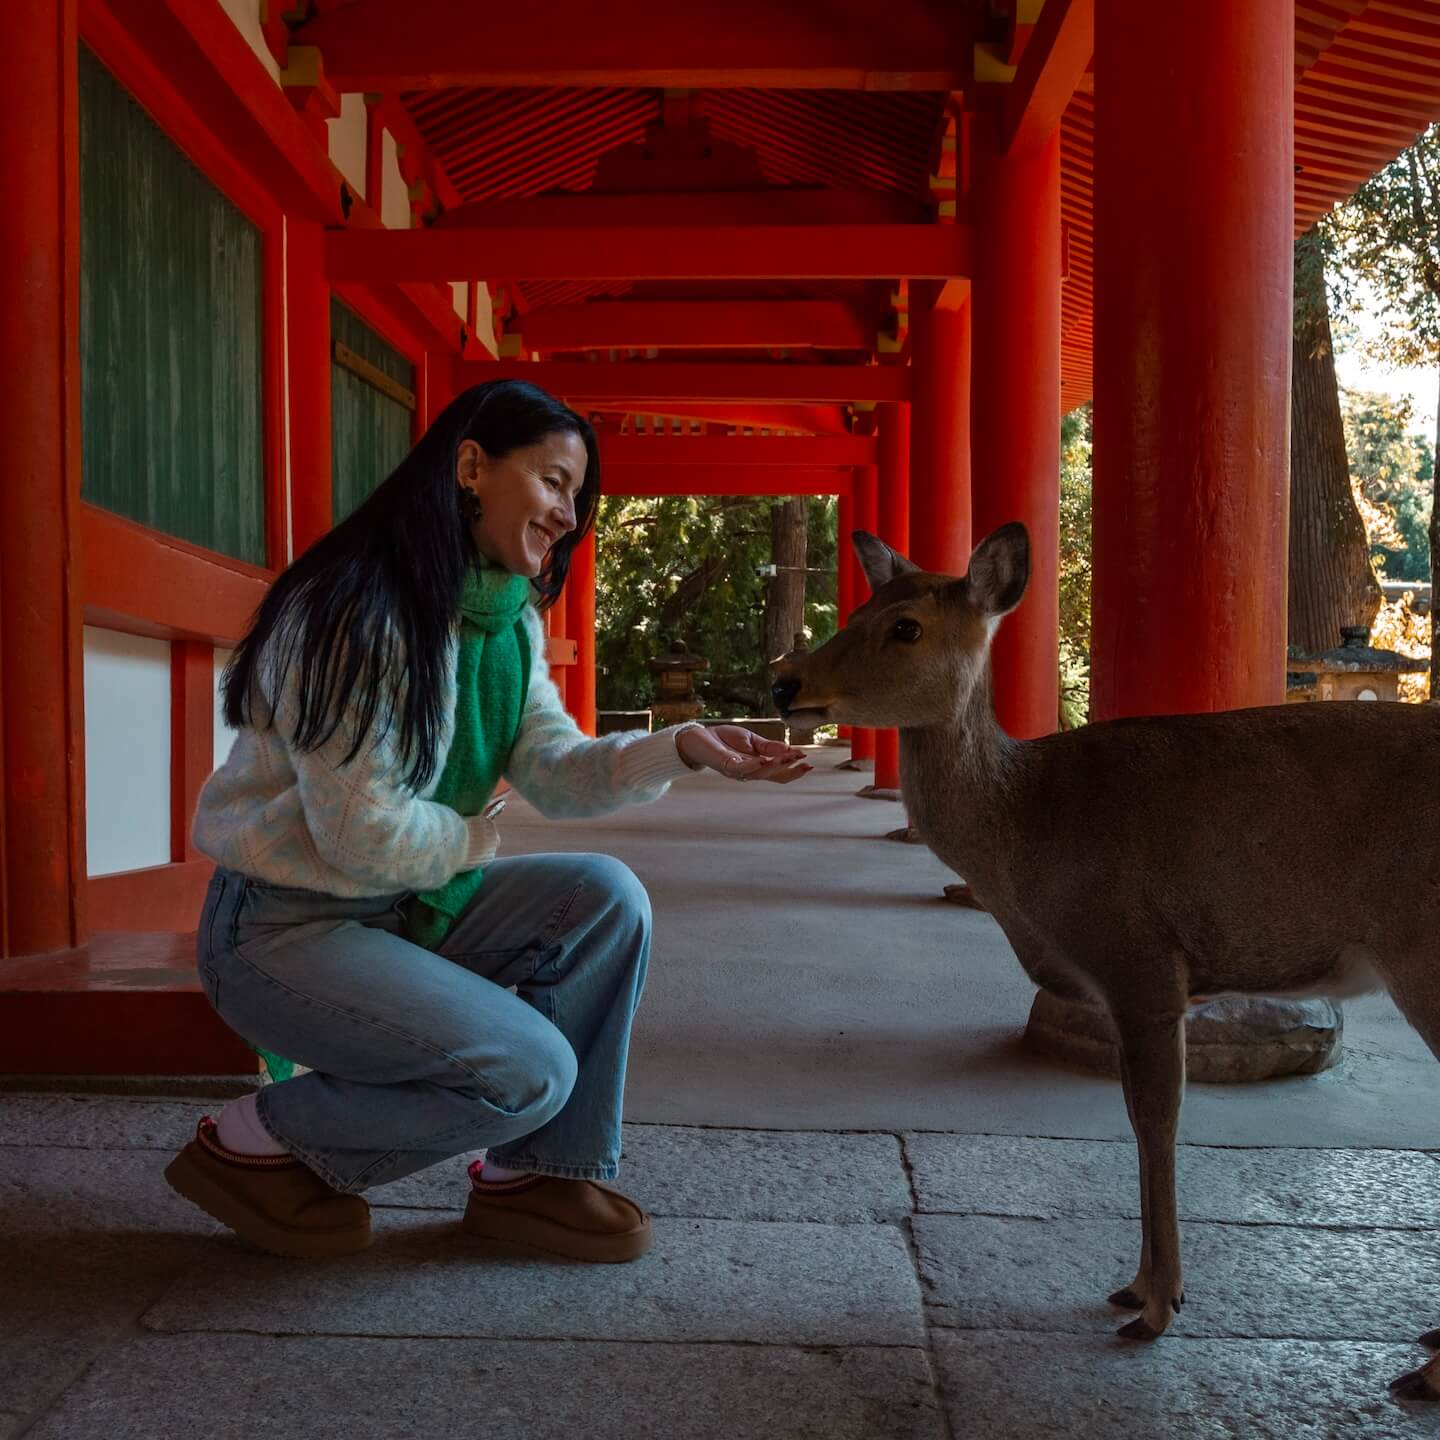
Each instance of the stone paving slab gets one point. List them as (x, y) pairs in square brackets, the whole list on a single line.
[(48, 1191), (100, 1122), (67, 1298), (1026, 1387), (88, 1238), (1240, 1280), (368, 1389), (830, 1179), (705, 1280), (1008, 1175)]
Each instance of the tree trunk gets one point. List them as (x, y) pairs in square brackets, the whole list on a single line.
[(785, 602), (1331, 579)]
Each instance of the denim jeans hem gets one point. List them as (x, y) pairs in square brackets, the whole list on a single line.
[(562, 1170)]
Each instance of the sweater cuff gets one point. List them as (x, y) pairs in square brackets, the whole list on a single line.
[(655, 761), (481, 843)]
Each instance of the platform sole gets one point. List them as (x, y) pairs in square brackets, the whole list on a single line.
[(483, 1222), (189, 1180)]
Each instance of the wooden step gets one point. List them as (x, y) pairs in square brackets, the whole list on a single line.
[(125, 1004)]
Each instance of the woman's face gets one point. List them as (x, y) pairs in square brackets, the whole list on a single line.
[(527, 498)]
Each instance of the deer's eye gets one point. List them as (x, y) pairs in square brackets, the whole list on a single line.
[(906, 631)]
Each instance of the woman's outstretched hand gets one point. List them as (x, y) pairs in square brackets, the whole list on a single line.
[(740, 754)]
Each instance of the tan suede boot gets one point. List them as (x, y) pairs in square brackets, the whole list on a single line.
[(276, 1202), (580, 1219)]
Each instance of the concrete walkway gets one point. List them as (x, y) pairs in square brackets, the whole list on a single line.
[(875, 1216)]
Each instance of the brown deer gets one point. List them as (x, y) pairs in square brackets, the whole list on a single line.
[(1143, 863)]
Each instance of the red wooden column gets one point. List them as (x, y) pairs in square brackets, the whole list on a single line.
[(42, 797), (867, 517), (1194, 212), (580, 615), (558, 628), (1015, 415), (939, 434), (307, 334), (845, 568), (894, 530)]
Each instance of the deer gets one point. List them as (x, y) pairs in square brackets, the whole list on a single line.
[(1144, 863)]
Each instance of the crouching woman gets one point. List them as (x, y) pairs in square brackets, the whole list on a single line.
[(358, 923)]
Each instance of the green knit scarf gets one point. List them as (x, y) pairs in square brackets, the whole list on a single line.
[(492, 677)]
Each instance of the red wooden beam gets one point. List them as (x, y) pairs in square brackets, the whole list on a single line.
[(802, 205), (792, 451), (708, 324), (1050, 70), (140, 581), (680, 252), (828, 44), (808, 419), (645, 383), (629, 479)]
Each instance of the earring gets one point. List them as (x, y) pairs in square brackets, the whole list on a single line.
[(470, 511)]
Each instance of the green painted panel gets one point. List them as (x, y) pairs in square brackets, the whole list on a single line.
[(370, 432), (170, 330)]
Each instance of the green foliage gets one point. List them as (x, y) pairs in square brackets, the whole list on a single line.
[(1389, 236), (1075, 450), (1394, 470), (648, 548)]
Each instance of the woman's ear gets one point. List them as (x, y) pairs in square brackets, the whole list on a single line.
[(468, 462)]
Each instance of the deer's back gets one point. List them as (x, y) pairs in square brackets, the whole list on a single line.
[(1277, 840)]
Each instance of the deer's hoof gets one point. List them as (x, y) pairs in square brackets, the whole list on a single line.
[(1431, 1339), (1139, 1329), (1413, 1385), (1126, 1299)]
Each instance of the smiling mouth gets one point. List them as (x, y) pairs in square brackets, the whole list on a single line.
[(544, 533)]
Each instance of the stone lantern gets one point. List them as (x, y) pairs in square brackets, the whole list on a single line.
[(1352, 671), (676, 701)]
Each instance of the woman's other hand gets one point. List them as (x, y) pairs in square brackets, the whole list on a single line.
[(740, 754)]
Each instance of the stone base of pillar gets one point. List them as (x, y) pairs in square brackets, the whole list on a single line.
[(862, 766), (877, 792), (1234, 1038), (962, 894), (905, 835)]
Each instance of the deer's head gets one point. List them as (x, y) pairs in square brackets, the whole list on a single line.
[(911, 655)]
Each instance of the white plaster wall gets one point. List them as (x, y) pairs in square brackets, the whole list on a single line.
[(461, 300), (127, 751), (394, 194), (347, 141), (224, 735), (246, 15)]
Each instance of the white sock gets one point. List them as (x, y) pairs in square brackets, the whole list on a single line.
[(493, 1174), (240, 1131)]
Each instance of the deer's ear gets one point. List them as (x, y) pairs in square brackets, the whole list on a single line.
[(880, 563), (1000, 569)]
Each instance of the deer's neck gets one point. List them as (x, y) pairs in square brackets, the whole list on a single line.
[(957, 776)]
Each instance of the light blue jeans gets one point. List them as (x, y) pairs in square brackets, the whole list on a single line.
[(416, 1056)]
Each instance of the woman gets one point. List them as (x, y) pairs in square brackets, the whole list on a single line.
[(357, 921)]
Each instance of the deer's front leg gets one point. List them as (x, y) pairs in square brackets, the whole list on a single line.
[(1153, 1070)]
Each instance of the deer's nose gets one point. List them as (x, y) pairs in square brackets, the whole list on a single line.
[(784, 692)]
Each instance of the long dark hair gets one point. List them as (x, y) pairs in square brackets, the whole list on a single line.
[(364, 616)]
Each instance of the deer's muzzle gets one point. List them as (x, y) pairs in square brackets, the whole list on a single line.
[(784, 692)]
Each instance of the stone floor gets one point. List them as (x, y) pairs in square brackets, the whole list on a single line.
[(875, 1216)]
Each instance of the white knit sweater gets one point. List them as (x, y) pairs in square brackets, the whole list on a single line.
[(306, 820)]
